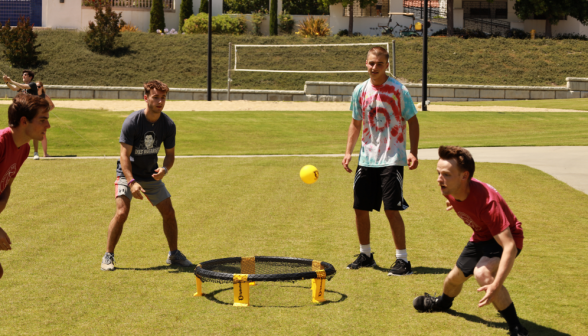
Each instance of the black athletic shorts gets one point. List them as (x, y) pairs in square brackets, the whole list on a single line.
[(473, 252), (374, 185)]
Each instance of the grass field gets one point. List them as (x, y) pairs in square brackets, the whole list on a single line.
[(181, 61), (59, 211), (86, 132), (568, 104)]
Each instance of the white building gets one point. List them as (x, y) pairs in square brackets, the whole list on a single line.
[(480, 14)]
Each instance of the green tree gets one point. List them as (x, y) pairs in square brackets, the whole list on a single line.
[(203, 6), (185, 12), (273, 17), (552, 10), (350, 3), (102, 34), (157, 20), (19, 43)]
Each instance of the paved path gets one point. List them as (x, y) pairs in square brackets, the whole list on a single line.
[(567, 163)]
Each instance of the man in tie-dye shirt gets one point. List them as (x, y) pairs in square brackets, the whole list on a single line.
[(381, 109)]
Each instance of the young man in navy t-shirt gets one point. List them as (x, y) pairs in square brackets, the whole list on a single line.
[(142, 135)]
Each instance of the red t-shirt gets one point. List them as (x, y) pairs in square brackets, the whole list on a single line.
[(486, 212), (11, 157)]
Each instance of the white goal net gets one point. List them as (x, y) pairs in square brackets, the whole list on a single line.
[(304, 58)]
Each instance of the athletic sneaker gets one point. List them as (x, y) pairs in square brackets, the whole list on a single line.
[(428, 303), (400, 267), (519, 331), (36, 156), (362, 261), (108, 262), (178, 259)]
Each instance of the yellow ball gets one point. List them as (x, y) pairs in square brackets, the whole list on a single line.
[(309, 174)]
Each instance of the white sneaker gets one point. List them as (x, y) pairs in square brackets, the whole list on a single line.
[(107, 262), (36, 156), (178, 259)]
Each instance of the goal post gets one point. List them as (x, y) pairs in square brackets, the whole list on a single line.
[(237, 68)]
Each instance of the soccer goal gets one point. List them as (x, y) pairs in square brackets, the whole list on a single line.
[(303, 58)]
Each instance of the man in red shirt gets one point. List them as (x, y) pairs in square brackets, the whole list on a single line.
[(496, 242), (28, 117)]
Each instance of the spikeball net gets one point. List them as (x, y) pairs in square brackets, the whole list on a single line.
[(243, 272)]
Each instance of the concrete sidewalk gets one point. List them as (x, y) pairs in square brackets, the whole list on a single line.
[(566, 163)]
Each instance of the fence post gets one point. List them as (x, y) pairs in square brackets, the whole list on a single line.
[(229, 76)]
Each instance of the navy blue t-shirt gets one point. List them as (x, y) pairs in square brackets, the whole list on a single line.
[(146, 138)]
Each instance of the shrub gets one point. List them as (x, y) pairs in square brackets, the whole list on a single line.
[(345, 32), (257, 18), (129, 28), (203, 7), (185, 12), (313, 27), (571, 36), (221, 24), (19, 42), (286, 23), (157, 20), (517, 34), (101, 36), (245, 6)]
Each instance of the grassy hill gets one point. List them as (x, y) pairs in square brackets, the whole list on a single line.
[(181, 60)]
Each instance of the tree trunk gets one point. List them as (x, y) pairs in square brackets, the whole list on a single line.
[(350, 30), (548, 26), (449, 17)]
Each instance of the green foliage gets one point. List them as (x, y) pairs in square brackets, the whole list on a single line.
[(185, 12), (157, 20), (571, 36), (19, 43), (286, 23), (203, 7), (257, 18), (221, 24), (306, 7), (101, 35), (312, 27), (246, 6), (273, 17), (552, 10)]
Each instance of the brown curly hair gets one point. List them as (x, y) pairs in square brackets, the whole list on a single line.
[(463, 157)]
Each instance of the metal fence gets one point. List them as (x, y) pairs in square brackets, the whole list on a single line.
[(14, 9), (146, 4)]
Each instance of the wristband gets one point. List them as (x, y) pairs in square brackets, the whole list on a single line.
[(165, 170), (131, 182)]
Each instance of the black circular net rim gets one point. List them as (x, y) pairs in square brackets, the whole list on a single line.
[(214, 276)]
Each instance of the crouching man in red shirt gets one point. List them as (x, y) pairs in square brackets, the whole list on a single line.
[(28, 117), (496, 242)]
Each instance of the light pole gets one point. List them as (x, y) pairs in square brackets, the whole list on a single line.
[(425, 28), (209, 79)]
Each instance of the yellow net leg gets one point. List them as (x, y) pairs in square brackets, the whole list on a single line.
[(198, 287), (318, 287), (240, 290)]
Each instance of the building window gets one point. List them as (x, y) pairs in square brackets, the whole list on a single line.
[(485, 10), (380, 9)]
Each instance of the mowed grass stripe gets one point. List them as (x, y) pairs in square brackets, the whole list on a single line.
[(59, 211), (96, 133)]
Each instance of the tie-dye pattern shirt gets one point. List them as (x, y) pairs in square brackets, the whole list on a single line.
[(384, 110)]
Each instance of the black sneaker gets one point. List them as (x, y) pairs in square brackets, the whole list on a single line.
[(427, 303), (362, 261), (400, 267), (519, 331)]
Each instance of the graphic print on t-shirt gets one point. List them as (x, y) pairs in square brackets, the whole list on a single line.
[(469, 222), (9, 174), (146, 146)]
